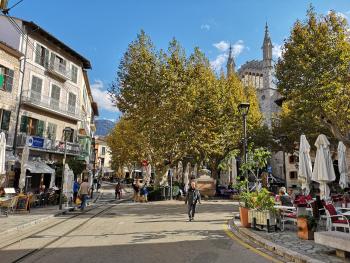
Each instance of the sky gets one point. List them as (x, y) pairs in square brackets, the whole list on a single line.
[(101, 30)]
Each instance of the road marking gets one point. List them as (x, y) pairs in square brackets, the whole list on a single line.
[(235, 238)]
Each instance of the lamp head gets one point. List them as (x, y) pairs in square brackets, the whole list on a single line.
[(244, 108)]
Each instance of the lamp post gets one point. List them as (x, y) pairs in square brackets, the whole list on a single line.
[(66, 133), (94, 169), (244, 109)]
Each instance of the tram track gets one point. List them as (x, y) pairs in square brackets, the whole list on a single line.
[(35, 234)]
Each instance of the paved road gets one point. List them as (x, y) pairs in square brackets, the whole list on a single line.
[(137, 233)]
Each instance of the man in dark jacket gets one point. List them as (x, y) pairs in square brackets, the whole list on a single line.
[(193, 196)]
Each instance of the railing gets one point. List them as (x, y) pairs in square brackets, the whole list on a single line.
[(48, 144), (37, 99), (59, 68)]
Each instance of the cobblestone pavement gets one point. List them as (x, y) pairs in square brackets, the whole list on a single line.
[(289, 239)]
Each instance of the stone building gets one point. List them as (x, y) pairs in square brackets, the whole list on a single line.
[(260, 74), (53, 93)]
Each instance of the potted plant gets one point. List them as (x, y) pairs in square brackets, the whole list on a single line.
[(262, 210), (245, 203), (306, 227)]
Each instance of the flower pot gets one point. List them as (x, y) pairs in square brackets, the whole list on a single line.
[(243, 215), (303, 231)]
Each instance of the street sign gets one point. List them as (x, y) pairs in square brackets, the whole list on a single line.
[(144, 162)]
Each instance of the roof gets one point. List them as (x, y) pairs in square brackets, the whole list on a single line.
[(253, 64), (10, 50), (39, 30), (56, 41)]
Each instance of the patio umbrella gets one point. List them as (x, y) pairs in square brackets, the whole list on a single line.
[(195, 170), (186, 175), (52, 180), (305, 166), (233, 168), (323, 172), (180, 170), (148, 174), (342, 165), (2, 157), (22, 178)]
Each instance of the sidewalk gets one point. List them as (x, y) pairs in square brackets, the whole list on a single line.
[(18, 221), (287, 244)]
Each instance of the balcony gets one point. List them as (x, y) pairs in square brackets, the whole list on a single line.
[(47, 103), (59, 70), (47, 145)]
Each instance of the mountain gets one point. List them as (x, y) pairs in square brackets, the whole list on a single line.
[(103, 127)]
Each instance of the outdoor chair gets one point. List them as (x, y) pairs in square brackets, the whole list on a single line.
[(9, 206), (335, 220), (288, 215)]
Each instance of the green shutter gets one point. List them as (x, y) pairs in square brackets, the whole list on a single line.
[(9, 80), (5, 122), (38, 54), (40, 128), (24, 124)]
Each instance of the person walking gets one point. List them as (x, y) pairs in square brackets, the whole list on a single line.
[(83, 193), (193, 196), (136, 188), (76, 187), (118, 191)]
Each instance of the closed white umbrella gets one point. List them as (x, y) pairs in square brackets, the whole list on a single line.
[(180, 170), (323, 172), (305, 165), (342, 165), (186, 175), (52, 181), (24, 160), (195, 170), (233, 168), (2, 153), (148, 174)]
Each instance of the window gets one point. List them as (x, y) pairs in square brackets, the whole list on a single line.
[(103, 150), (58, 63), (293, 159), (5, 119), (35, 92), (51, 131), (55, 97), (32, 126), (293, 175), (6, 78), (72, 98), (74, 73), (41, 55)]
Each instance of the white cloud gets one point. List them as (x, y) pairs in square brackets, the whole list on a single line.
[(102, 97), (222, 45), (218, 62), (205, 27), (237, 48), (276, 50)]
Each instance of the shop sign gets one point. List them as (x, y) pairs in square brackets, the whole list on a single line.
[(36, 142)]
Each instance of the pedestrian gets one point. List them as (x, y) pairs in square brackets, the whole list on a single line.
[(76, 187), (144, 193), (83, 193), (193, 196), (118, 191), (136, 188)]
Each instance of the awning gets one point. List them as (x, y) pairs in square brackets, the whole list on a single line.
[(38, 168)]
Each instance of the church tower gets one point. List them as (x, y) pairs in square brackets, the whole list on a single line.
[(230, 66), (267, 48)]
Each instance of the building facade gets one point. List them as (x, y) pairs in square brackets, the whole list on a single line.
[(52, 94)]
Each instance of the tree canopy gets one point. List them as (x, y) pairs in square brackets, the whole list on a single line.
[(313, 77), (175, 106)]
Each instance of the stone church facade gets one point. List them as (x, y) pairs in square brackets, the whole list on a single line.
[(260, 74)]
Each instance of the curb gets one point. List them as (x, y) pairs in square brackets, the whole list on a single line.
[(40, 220), (270, 246)]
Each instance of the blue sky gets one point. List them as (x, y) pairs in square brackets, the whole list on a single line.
[(101, 30)]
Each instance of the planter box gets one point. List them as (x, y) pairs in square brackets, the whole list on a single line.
[(303, 231), (262, 218)]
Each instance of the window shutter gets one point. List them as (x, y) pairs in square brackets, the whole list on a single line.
[(40, 128), (5, 122), (24, 124), (46, 59), (9, 80), (38, 54)]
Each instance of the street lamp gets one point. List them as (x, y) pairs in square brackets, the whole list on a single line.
[(66, 133), (244, 109), (94, 170)]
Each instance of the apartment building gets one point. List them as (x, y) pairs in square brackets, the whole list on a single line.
[(53, 93), (103, 156), (9, 81)]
